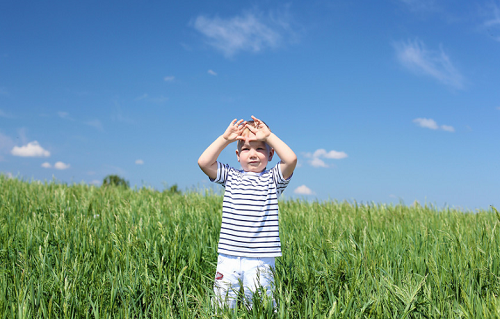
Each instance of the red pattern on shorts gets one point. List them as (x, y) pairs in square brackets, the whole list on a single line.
[(219, 276)]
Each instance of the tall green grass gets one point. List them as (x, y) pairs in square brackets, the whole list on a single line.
[(78, 251)]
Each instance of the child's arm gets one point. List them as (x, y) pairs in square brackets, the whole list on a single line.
[(285, 153), (208, 160)]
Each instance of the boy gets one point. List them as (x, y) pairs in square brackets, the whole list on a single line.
[(249, 237)]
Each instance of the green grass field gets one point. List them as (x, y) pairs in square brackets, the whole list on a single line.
[(79, 251)]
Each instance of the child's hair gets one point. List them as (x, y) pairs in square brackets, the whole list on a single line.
[(246, 132)]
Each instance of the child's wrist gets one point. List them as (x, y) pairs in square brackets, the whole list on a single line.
[(227, 140)]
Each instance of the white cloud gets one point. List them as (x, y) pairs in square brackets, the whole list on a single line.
[(332, 154), (427, 123), (303, 190), (212, 72), (415, 56), (96, 182), (431, 124), (316, 162), (139, 162), (251, 31), (32, 149), (46, 165), (61, 165), (169, 78), (448, 128)]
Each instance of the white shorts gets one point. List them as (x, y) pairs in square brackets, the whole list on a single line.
[(251, 273)]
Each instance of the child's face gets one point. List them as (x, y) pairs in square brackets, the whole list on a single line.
[(254, 156)]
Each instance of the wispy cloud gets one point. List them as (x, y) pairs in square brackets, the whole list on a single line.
[(303, 190), (169, 78), (95, 123), (46, 165), (316, 157), (139, 162), (118, 114), (435, 63), (448, 128), (5, 114), (142, 97), (252, 31), (65, 115), (492, 23), (212, 72), (32, 149), (431, 124)]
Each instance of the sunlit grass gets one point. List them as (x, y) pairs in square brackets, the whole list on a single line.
[(80, 251)]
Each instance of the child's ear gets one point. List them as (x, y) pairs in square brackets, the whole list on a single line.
[(238, 155), (271, 154)]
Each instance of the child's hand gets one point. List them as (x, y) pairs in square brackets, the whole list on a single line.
[(234, 130), (261, 131)]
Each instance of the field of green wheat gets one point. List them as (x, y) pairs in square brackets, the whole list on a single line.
[(79, 251)]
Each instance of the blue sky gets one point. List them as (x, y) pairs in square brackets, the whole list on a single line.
[(383, 102)]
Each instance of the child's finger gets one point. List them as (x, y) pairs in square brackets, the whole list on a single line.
[(256, 120), (251, 128)]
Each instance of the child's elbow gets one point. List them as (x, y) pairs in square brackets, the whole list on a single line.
[(201, 163)]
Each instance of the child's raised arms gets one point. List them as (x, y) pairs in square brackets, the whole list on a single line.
[(208, 160), (262, 132), (234, 130)]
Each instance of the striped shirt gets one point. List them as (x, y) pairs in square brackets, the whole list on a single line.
[(250, 211)]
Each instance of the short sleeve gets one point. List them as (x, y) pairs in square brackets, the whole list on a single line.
[(280, 182), (222, 172)]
